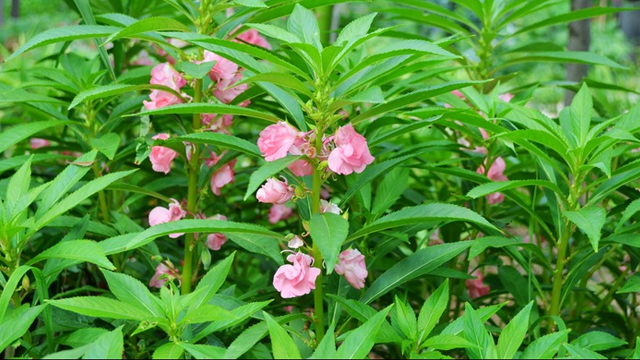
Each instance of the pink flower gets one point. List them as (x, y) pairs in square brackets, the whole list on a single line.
[(506, 97), (275, 191), (160, 99), (160, 215), (352, 266), (143, 59), (351, 152), (37, 143), (495, 173), (215, 241), (252, 37), (223, 176), (163, 273), (227, 91), (279, 212), (223, 69), (297, 279), (476, 287), (165, 74), (295, 242), (326, 206), (301, 168), (217, 123), (276, 140), (161, 157)]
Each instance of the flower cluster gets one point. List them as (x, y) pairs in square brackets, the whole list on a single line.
[(160, 215)]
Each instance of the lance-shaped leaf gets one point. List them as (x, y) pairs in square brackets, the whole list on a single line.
[(101, 307), (281, 343), (105, 91), (267, 170), (499, 186), (205, 108), (329, 231), (15, 134), (359, 342), (83, 250), (424, 213), (513, 334), (415, 265), (148, 24), (222, 140), (589, 219)]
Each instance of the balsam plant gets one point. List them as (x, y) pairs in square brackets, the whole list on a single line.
[(417, 208)]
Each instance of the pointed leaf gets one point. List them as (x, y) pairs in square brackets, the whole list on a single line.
[(589, 219), (282, 344), (329, 231)]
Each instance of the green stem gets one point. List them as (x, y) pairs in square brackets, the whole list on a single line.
[(104, 208), (324, 23), (317, 256), (193, 173)]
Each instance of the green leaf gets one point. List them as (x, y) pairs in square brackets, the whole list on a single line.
[(199, 351), (9, 288), (68, 178), (390, 189), (275, 32), (475, 332), (303, 24), (411, 98), (106, 91), (484, 313), (223, 141), (412, 267), (18, 186), (284, 80), (17, 133), (107, 346), (101, 307), (329, 231), (131, 291), (372, 95), (571, 16), (206, 313), (64, 34), (580, 114), (421, 214), (598, 341), (211, 282), (169, 350), (200, 226), (360, 341), (267, 170), (516, 283), (107, 144), (259, 244), (589, 219), (499, 186), (447, 342), (546, 346), (513, 334), (155, 23), (355, 29), (83, 250), (432, 310), (250, 3), (579, 57), (404, 319), (240, 313), (576, 352), (206, 108), (79, 195), (197, 71), (13, 328), (632, 285), (281, 343), (327, 347), (362, 312)]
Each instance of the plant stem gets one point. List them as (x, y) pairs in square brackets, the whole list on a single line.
[(193, 173), (104, 208), (317, 256)]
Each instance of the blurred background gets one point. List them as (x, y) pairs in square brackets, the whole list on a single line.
[(616, 36)]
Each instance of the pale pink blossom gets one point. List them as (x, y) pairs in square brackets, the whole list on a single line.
[(216, 240), (223, 176), (160, 99), (352, 266), (37, 143), (506, 97), (160, 215), (279, 212), (227, 91), (351, 152), (252, 37), (163, 274), (161, 157), (328, 207), (295, 242), (476, 287), (217, 123), (495, 173), (297, 279), (275, 191), (143, 59), (276, 140), (223, 69), (165, 74), (301, 167)]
